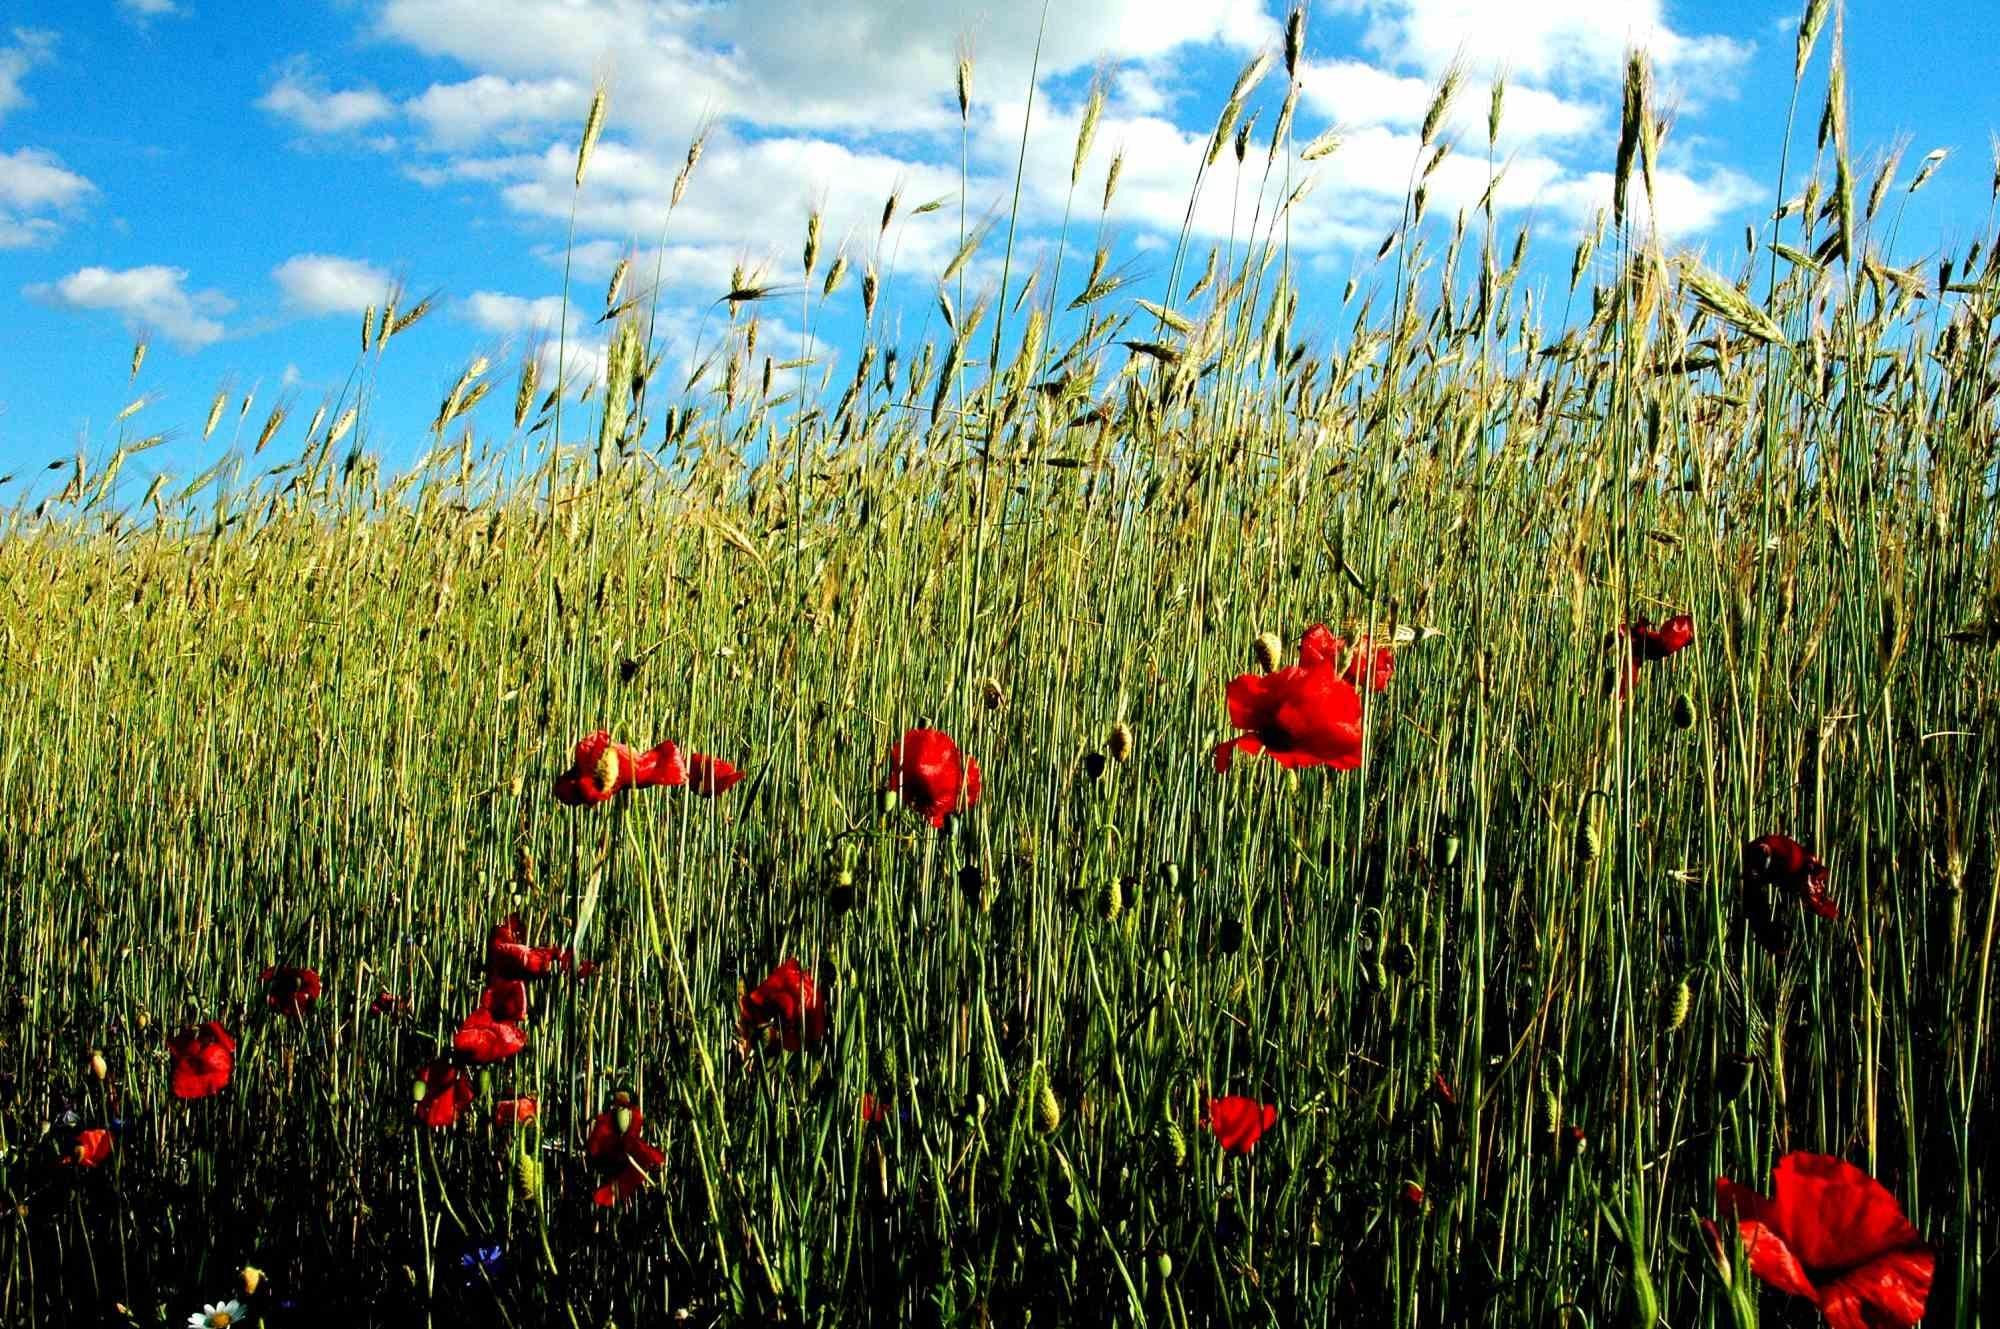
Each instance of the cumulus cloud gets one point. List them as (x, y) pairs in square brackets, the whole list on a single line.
[(154, 298), (29, 47), (514, 315), (301, 96), (34, 183), (327, 284)]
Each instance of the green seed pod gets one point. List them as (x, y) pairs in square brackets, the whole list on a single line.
[(1451, 847), (1675, 1012)]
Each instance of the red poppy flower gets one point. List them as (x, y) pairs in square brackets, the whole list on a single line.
[(1650, 644), (603, 768), (289, 989), (485, 1037), (388, 1003), (516, 1111), (443, 1091), (1365, 667), (616, 1150), (1303, 715), (932, 775), (1782, 862), (1240, 1122), (1834, 1235), (508, 954), (873, 1110), (203, 1057), (89, 1148), (1413, 1198), (709, 776), (789, 1002), (506, 999)]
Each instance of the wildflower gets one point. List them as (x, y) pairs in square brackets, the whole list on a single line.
[(1782, 862), (203, 1057), (932, 775), (1834, 1235), (1365, 667), (709, 776), (874, 1111), (289, 989), (1304, 714), (89, 1149), (603, 768), (482, 1260), (1650, 644), (442, 1092), (1413, 1198), (1238, 1122), (493, 1032), (218, 1315), (787, 1001), (617, 1150), (516, 1111), (388, 1003), (509, 956)]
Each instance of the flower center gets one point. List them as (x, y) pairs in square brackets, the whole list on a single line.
[(606, 770)]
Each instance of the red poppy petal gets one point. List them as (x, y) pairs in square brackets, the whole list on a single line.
[(1774, 1262), (1891, 1289), (1320, 645)]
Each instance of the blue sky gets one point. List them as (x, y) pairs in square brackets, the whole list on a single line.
[(236, 181)]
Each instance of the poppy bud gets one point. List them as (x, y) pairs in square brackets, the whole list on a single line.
[(1412, 1196), (1683, 711), (888, 800), (1403, 958), (1451, 846), (973, 882), (417, 1090), (1163, 1265), (1679, 1000), (1048, 1108), (1120, 746), (1173, 1143), (250, 1278), (993, 695), (1712, 1237), (1113, 902), (1229, 937), (98, 1068), (1170, 876), (1267, 650), (1552, 1112), (1093, 765), (528, 1179)]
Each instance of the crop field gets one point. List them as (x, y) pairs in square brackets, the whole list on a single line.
[(1115, 814)]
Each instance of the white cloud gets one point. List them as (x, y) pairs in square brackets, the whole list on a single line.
[(769, 64), (303, 97), (327, 284), (143, 10), (478, 110), (152, 298), (30, 47), (1564, 41), (514, 315), (33, 183)]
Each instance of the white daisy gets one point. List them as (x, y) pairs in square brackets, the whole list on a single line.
[(219, 1315)]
